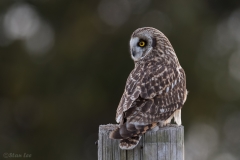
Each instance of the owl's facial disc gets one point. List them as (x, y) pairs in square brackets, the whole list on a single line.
[(139, 48)]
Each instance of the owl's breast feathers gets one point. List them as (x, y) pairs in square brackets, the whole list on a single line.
[(152, 93)]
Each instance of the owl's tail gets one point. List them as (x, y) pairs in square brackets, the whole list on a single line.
[(128, 140), (129, 143), (130, 134)]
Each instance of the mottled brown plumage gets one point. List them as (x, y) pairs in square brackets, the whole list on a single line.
[(155, 89)]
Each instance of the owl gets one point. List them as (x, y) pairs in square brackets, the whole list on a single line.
[(155, 90)]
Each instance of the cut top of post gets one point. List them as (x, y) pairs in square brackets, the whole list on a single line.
[(165, 144)]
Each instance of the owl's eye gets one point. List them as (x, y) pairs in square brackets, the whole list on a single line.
[(141, 43)]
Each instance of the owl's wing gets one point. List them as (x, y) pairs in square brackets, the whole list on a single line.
[(161, 96), (131, 92), (152, 95)]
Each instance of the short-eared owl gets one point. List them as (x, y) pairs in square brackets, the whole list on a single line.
[(155, 89)]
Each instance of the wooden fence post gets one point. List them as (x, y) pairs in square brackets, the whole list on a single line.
[(165, 144)]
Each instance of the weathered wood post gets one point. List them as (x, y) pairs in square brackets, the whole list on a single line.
[(165, 144)]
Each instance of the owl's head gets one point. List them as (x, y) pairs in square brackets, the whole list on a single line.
[(144, 40)]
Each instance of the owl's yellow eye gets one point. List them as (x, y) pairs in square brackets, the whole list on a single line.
[(141, 43)]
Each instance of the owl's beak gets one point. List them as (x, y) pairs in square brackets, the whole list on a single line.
[(136, 54), (133, 53)]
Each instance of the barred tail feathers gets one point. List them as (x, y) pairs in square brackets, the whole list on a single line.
[(130, 134), (129, 143)]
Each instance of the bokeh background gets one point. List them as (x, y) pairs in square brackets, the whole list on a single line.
[(64, 64)]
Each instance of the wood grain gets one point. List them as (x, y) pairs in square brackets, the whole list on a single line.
[(165, 144)]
